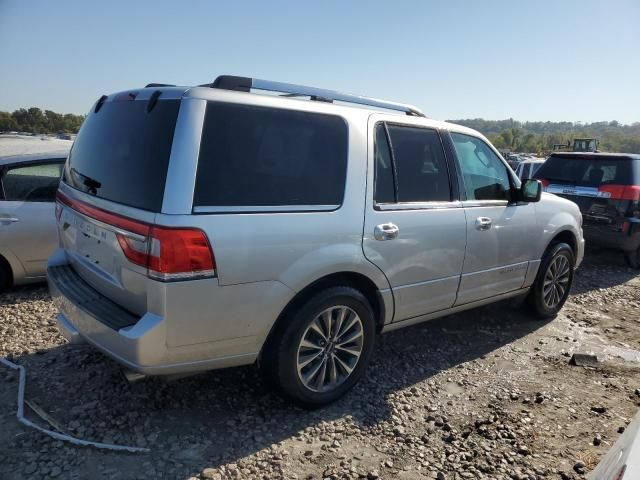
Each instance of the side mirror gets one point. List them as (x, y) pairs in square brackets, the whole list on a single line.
[(530, 191)]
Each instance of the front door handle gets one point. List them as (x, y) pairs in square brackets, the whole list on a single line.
[(483, 223), (8, 219), (386, 231)]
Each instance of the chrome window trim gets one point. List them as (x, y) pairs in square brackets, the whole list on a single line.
[(417, 206), (484, 203), (265, 208)]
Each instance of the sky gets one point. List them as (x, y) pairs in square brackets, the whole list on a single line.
[(573, 60)]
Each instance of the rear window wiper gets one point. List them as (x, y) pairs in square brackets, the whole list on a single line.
[(92, 184)]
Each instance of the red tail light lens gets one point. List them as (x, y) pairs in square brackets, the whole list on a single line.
[(545, 184), (621, 192), (168, 253), (176, 251)]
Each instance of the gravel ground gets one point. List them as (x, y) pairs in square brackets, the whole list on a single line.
[(483, 394)]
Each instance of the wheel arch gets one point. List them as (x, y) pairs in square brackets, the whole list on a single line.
[(355, 280), (564, 236)]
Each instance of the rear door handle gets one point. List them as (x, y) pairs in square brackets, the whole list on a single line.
[(483, 223), (386, 231), (8, 219)]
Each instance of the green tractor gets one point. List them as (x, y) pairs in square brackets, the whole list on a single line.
[(579, 145)]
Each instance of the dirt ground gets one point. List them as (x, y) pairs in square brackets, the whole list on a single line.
[(483, 394)]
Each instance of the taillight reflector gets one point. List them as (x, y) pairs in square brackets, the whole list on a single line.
[(168, 253), (621, 192)]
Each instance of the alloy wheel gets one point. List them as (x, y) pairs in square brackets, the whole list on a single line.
[(330, 348), (556, 281)]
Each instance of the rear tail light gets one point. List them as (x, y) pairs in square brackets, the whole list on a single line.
[(545, 184), (168, 253), (621, 192)]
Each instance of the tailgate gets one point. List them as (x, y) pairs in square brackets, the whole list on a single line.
[(112, 187), (94, 252)]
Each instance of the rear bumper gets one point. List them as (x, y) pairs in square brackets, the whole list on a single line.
[(140, 346), (608, 237)]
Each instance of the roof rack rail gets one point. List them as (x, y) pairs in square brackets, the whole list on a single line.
[(245, 84), (151, 85)]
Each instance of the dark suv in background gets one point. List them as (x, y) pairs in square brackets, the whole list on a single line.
[(606, 187)]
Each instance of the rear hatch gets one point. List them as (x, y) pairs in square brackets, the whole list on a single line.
[(605, 187), (112, 188)]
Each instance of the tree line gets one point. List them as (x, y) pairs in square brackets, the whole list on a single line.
[(34, 120), (540, 137)]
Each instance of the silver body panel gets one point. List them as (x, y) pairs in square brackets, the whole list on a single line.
[(437, 263), (28, 232)]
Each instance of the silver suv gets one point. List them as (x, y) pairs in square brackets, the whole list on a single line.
[(214, 226)]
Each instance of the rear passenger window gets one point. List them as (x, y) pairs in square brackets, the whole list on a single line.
[(256, 156), (32, 183), (420, 166)]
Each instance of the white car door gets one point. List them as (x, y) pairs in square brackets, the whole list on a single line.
[(499, 231), (27, 213)]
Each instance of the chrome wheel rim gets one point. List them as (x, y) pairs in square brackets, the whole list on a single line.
[(556, 281), (330, 349)]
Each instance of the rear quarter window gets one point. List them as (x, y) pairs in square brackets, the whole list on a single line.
[(262, 157)]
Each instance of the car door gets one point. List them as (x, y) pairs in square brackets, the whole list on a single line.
[(500, 233), (27, 212), (414, 223)]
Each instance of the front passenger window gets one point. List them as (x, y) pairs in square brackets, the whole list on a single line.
[(485, 175)]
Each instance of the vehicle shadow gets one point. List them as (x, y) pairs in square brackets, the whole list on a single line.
[(602, 268), (219, 417)]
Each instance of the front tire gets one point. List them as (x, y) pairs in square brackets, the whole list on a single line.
[(553, 281), (322, 347)]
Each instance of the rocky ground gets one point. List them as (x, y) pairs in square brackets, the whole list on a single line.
[(483, 394)]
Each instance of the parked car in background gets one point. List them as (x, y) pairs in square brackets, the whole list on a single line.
[(227, 227), (28, 233), (622, 461), (528, 168), (606, 187)]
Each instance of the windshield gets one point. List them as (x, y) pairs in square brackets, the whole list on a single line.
[(122, 153)]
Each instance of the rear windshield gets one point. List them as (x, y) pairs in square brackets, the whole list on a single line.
[(122, 153), (261, 157), (587, 171)]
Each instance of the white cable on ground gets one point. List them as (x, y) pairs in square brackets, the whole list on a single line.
[(56, 435)]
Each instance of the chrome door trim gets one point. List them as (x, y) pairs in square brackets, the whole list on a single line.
[(183, 162), (265, 209), (484, 203), (417, 206)]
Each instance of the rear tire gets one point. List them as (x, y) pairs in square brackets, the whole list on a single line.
[(633, 258), (553, 282), (6, 277), (321, 349)]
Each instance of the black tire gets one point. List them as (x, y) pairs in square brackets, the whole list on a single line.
[(280, 358), (537, 293), (633, 258), (6, 278)]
